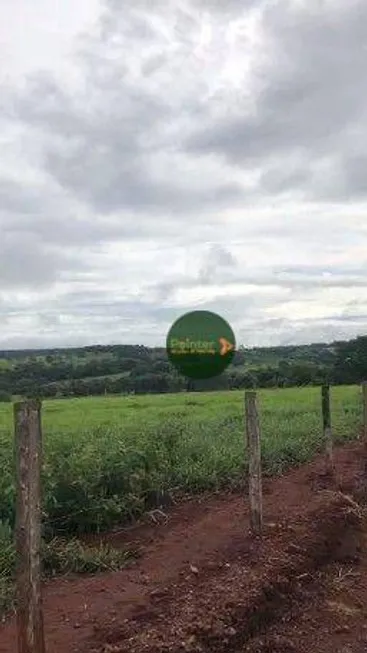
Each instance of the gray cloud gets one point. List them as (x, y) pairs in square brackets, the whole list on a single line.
[(105, 145), (26, 263), (310, 107), (217, 259), (302, 279), (105, 322), (229, 7), (171, 169)]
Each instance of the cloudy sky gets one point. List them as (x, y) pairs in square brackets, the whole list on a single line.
[(169, 155)]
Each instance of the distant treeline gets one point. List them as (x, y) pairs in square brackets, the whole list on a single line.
[(119, 369)]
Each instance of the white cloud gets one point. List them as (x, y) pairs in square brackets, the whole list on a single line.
[(157, 158)]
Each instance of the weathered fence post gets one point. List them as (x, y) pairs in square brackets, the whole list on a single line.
[(364, 395), (254, 463), (326, 423), (28, 447)]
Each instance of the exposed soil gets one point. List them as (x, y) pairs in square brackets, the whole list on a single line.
[(203, 583)]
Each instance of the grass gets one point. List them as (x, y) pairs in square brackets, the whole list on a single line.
[(59, 557), (102, 455)]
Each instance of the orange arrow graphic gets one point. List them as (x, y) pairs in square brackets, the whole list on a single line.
[(225, 346)]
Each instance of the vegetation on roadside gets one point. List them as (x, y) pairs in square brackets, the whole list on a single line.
[(104, 457), (59, 557)]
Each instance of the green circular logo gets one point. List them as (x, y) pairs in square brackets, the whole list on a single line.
[(200, 345)]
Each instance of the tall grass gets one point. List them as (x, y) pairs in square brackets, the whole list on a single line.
[(104, 455)]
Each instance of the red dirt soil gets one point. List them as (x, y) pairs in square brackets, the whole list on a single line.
[(202, 583)]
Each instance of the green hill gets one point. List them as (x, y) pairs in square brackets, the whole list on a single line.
[(121, 369)]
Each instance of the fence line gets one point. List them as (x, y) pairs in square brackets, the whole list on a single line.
[(28, 449), (28, 452)]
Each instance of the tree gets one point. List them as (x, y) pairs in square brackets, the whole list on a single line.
[(351, 361)]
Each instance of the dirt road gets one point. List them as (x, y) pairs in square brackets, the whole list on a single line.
[(203, 584)]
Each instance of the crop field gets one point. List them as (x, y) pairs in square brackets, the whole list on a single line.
[(102, 456)]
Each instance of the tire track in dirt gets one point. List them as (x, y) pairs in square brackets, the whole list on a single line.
[(225, 611)]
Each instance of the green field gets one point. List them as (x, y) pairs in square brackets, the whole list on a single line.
[(103, 454)]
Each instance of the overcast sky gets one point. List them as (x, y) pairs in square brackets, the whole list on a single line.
[(163, 156)]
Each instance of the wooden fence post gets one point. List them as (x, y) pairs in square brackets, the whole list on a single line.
[(254, 463), (364, 395), (28, 445), (326, 423)]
